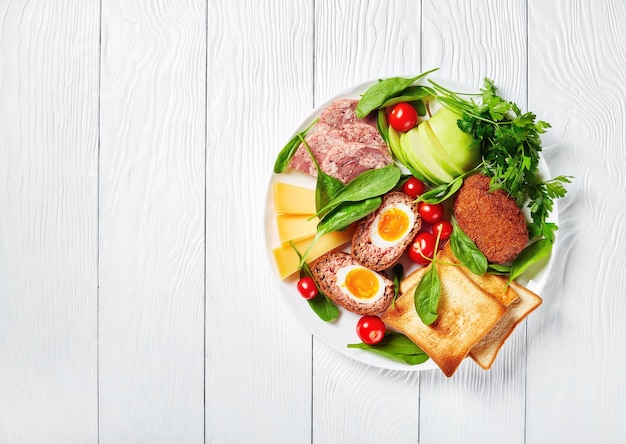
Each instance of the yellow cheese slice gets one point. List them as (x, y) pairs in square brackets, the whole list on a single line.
[(287, 259), (295, 227), (293, 199)]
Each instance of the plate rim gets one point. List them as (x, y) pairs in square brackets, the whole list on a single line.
[(291, 299)]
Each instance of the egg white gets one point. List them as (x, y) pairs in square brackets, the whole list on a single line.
[(341, 282), (375, 235)]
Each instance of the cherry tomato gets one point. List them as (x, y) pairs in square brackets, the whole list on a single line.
[(430, 213), (413, 187), (307, 288), (371, 329), (443, 228), (423, 245), (403, 117)]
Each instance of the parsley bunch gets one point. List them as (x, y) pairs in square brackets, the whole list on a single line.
[(510, 144)]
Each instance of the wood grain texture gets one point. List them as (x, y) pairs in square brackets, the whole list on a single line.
[(136, 144), (48, 222), (576, 358), (354, 42), (354, 402), (470, 41), (152, 221), (258, 362), (360, 41)]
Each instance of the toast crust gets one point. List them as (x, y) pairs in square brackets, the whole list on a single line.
[(492, 284), (466, 314), (485, 351)]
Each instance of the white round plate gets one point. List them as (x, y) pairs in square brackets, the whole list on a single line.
[(342, 331)]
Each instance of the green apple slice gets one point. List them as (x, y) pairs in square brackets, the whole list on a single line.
[(393, 137), (394, 144), (460, 146), (417, 154), (437, 152)]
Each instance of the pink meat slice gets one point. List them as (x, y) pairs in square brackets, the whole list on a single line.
[(348, 160), (343, 145)]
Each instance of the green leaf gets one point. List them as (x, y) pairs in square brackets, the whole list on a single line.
[(326, 186), (325, 189), (321, 304), (555, 188), (426, 296), (370, 183), (420, 107), (289, 149), (396, 346), (382, 125), (398, 275), (530, 255), (466, 250), (323, 307), (499, 269), (441, 192), (383, 90), (409, 94), (348, 213)]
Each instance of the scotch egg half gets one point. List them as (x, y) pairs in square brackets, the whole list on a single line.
[(392, 225), (347, 283), (360, 284)]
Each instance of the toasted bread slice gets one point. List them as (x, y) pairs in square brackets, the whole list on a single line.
[(492, 284), (485, 351), (410, 282), (466, 314)]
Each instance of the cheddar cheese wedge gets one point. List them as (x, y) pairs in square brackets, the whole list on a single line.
[(293, 199), (295, 227), (287, 259)]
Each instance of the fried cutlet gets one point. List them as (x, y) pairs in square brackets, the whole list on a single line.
[(491, 219)]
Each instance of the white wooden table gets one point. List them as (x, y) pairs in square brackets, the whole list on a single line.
[(137, 304)]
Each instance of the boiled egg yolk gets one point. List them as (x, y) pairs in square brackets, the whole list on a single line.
[(392, 225), (360, 283)]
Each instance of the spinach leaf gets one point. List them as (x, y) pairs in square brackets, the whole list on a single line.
[(323, 307), (441, 192), (382, 91), (427, 294), (289, 149), (368, 184), (382, 125), (530, 255), (397, 277), (466, 250), (396, 346), (326, 186), (321, 304), (499, 269), (410, 94), (347, 213), (420, 106)]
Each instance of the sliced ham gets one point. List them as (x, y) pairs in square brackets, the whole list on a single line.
[(343, 145)]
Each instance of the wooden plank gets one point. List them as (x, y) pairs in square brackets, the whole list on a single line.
[(355, 42), (48, 227), (258, 363), (152, 221), (470, 41), (360, 41), (576, 355)]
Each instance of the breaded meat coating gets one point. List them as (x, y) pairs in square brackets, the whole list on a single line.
[(491, 219)]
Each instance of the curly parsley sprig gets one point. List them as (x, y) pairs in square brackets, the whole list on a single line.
[(510, 143)]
